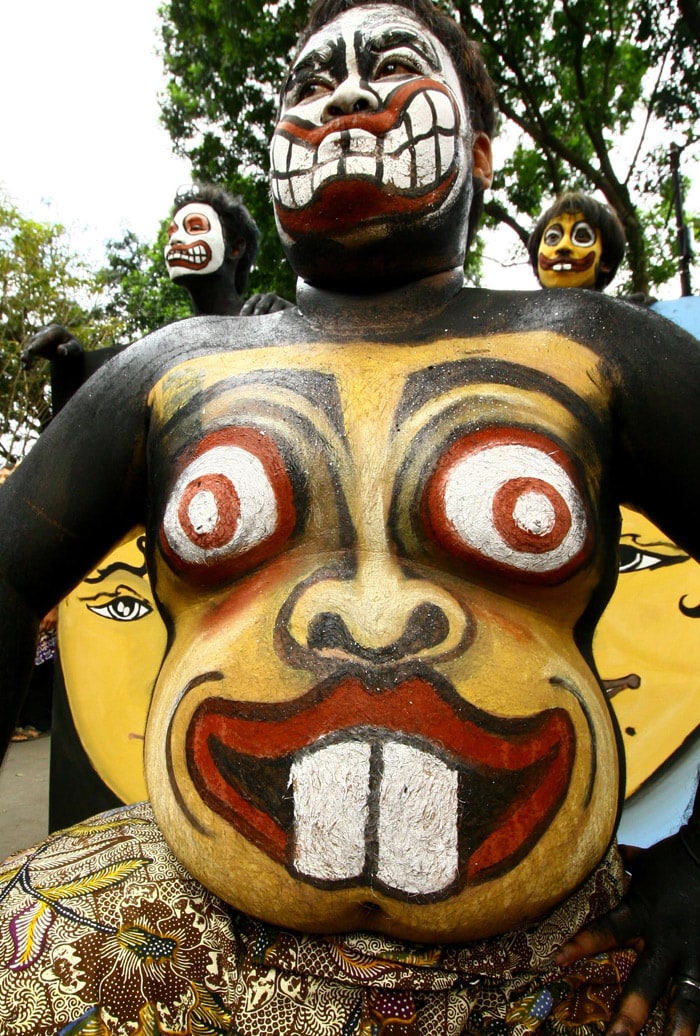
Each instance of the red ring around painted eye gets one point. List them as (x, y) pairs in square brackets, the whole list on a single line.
[(231, 506), (508, 499)]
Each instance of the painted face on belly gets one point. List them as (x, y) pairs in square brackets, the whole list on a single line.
[(373, 702)]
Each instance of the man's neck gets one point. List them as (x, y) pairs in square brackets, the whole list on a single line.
[(379, 314), (214, 294)]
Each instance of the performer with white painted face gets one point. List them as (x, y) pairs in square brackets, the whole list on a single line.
[(380, 530), (211, 247), (195, 241)]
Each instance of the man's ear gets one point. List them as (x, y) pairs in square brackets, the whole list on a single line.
[(236, 248), (482, 160)]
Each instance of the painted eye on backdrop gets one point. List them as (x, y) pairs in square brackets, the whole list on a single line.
[(634, 559), (507, 499), (231, 507), (122, 606), (552, 236), (583, 234)]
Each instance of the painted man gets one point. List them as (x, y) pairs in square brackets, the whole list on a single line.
[(577, 243), (380, 529)]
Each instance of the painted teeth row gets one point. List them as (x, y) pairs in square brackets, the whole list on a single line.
[(197, 254), (414, 154)]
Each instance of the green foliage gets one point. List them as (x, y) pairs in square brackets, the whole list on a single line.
[(41, 281), (225, 62), (572, 76)]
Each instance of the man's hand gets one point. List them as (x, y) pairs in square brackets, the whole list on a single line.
[(259, 305), (50, 343), (660, 918)]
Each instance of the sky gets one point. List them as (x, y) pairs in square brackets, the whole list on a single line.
[(81, 140), (82, 144)]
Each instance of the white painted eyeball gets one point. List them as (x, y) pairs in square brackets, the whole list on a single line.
[(508, 499), (231, 506)]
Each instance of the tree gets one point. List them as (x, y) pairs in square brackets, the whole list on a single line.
[(574, 78), (579, 79), (41, 280)]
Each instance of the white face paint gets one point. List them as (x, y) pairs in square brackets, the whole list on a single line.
[(195, 241), (373, 126)]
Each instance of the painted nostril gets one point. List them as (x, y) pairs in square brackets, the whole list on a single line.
[(427, 627)]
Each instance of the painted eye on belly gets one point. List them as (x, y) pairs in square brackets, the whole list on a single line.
[(231, 507), (508, 499)]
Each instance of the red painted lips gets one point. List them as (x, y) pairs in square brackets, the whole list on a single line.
[(513, 773)]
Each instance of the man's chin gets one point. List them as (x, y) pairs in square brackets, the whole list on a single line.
[(368, 260)]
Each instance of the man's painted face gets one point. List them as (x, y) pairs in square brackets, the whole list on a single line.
[(569, 253), (111, 615), (647, 649), (373, 711), (373, 132), (195, 241)]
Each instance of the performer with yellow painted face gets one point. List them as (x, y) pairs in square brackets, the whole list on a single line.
[(380, 530), (577, 243)]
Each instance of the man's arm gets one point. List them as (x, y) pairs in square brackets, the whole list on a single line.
[(77, 492), (660, 918)]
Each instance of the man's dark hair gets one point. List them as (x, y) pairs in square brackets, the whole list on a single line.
[(479, 93), (237, 222), (600, 216)]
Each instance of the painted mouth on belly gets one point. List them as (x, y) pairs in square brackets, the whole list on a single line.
[(411, 790)]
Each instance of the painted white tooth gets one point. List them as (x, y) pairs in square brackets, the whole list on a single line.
[(418, 812), (300, 189), (363, 143), (301, 157), (325, 172), (426, 172), (398, 171), (361, 165), (420, 115), (331, 792), (284, 193), (280, 154), (444, 111), (329, 149), (447, 152), (396, 141)]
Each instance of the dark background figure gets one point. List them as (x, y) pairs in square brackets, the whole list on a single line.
[(211, 248)]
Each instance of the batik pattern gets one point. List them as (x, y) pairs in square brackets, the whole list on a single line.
[(102, 932)]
